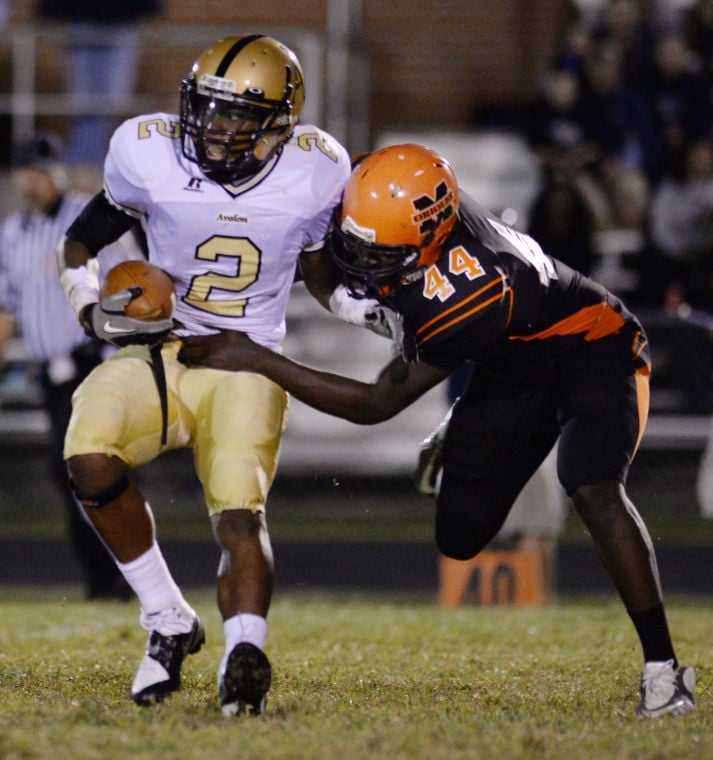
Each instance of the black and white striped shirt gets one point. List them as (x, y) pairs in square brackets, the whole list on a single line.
[(29, 279)]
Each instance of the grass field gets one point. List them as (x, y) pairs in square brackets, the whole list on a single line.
[(355, 677)]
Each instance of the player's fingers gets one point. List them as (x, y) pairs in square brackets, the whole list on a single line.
[(117, 301), (190, 352)]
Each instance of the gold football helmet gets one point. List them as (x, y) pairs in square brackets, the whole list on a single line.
[(399, 205), (239, 105)]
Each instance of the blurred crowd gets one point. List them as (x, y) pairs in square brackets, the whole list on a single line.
[(623, 129)]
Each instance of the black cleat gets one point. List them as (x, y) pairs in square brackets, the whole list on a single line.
[(159, 671), (244, 681)]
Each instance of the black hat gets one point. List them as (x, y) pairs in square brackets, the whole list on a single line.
[(41, 151)]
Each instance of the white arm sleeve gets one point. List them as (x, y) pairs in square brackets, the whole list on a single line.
[(80, 284)]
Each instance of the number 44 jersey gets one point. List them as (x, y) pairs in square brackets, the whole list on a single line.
[(230, 249), (494, 297)]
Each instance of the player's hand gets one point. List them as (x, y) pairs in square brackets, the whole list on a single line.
[(382, 321), (364, 312), (429, 465), (227, 349), (107, 321), (430, 459)]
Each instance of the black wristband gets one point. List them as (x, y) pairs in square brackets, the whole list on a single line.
[(85, 320)]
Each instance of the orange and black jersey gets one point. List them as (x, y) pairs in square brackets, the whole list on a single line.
[(493, 295)]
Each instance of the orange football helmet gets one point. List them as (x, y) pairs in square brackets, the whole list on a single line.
[(399, 206)]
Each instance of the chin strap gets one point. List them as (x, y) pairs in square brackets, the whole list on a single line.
[(159, 373)]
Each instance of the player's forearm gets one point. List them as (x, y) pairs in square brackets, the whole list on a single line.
[(78, 274), (397, 386), (339, 396), (73, 254), (362, 403)]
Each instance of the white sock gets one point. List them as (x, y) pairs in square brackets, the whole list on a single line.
[(150, 578), (244, 627)]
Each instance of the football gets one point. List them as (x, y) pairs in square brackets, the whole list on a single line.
[(158, 298)]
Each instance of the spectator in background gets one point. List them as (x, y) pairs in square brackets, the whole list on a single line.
[(31, 298), (679, 98), (574, 46), (556, 135), (554, 129), (627, 27), (677, 268), (562, 221), (697, 27), (698, 268), (592, 133), (616, 120), (101, 66), (679, 230)]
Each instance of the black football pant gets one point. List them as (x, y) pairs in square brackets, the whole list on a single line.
[(594, 399)]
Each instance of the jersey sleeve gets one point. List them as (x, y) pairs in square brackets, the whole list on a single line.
[(141, 154), (332, 168)]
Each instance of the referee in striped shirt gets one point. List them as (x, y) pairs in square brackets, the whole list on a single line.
[(32, 301)]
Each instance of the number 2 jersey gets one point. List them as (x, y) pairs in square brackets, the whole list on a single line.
[(495, 298), (231, 250)]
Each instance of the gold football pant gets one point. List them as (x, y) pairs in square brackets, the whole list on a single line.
[(233, 421)]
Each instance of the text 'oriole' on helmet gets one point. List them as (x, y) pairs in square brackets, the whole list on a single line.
[(399, 205), (239, 105)]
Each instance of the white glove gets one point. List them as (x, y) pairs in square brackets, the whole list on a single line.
[(383, 321), (364, 312)]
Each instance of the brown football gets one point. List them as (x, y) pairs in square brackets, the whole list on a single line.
[(157, 300)]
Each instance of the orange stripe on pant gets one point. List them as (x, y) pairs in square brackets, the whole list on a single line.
[(643, 396)]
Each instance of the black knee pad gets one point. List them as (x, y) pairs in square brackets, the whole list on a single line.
[(103, 497)]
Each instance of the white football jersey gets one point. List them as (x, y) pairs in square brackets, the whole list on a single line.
[(230, 249)]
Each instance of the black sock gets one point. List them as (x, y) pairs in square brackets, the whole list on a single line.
[(654, 635)]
